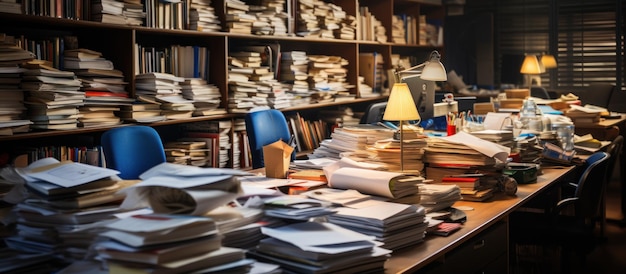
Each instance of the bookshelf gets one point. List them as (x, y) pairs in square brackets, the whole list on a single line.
[(118, 43)]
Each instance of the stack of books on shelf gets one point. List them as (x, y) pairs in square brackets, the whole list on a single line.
[(372, 28), (323, 20), (294, 71), (270, 18), (65, 210), (202, 16), (165, 89), (11, 7), (167, 243), (218, 134), (307, 134), (50, 89), (252, 83), (12, 106), (395, 225), (398, 30), (103, 85), (327, 77), (312, 247), (237, 18), (108, 11), (206, 97), (134, 12), (237, 142), (194, 153), (141, 112)]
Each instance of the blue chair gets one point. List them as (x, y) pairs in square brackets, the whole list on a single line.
[(132, 150), (265, 127), (374, 113), (571, 222)]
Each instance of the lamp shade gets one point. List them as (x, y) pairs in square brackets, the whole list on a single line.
[(400, 106), (530, 65), (434, 71), (548, 61)]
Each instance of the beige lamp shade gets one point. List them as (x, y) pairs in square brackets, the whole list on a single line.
[(548, 61), (434, 71), (530, 65), (400, 106)]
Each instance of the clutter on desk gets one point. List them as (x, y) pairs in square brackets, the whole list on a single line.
[(388, 222)]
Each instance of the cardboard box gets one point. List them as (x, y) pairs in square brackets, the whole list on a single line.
[(277, 157)]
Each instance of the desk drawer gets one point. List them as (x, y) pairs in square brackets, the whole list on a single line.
[(478, 252)]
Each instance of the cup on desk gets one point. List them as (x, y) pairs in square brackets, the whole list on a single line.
[(451, 129)]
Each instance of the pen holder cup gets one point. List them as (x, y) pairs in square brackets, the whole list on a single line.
[(451, 130)]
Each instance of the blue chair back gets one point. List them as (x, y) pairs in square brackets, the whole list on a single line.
[(265, 127), (132, 150), (591, 185)]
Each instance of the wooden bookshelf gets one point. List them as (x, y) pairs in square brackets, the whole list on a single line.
[(117, 43)]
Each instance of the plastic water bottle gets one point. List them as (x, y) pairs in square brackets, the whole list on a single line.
[(530, 115)]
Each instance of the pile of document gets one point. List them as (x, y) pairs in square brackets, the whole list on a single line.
[(395, 225), (435, 197), (167, 243), (181, 189), (67, 205), (296, 207), (239, 226), (313, 247)]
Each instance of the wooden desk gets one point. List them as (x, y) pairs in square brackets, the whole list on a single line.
[(484, 216)]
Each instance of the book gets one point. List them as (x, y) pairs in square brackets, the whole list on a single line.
[(469, 181), (309, 174)]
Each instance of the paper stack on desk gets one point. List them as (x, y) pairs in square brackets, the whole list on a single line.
[(436, 197), (67, 203), (395, 225), (157, 243), (313, 247)]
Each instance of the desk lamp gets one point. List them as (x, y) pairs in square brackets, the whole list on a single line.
[(531, 68), (401, 106)]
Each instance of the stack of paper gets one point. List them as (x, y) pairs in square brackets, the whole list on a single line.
[(395, 225), (171, 188), (296, 207), (68, 201), (466, 149), (436, 197), (239, 226), (159, 242), (386, 184), (313, 247)]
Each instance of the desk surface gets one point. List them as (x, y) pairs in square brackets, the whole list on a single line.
[(483, 216)]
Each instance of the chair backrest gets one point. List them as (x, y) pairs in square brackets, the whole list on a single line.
[(374, 113), (591, 185), (614, 149), (265, 127), (539, 92), (132, 150)]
